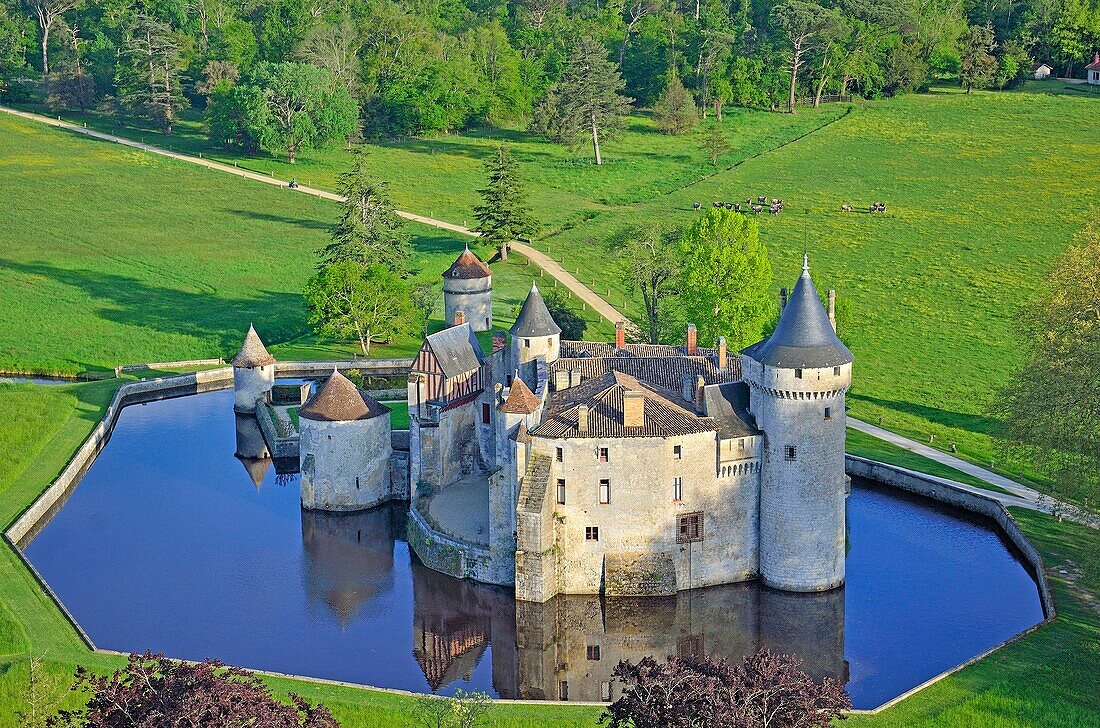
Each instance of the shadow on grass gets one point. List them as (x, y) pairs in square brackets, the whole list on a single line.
[(964, 421), (282, 219)]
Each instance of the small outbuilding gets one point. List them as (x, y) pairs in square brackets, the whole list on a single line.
[(345, 448), (1042, 71), (1092, 71)]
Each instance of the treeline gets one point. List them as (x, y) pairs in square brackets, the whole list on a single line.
[(425, 66)]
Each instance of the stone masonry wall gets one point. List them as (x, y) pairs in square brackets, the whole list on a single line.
[(345, 466)]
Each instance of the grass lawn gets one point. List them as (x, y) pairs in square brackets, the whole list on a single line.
[(399, 414), (1046, 679)]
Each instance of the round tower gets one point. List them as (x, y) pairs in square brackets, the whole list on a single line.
[(344, 448), (535, 333), (468, 289), (798, 379), (253, 373)]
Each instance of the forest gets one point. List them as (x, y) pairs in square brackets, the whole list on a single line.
[(289, 74)]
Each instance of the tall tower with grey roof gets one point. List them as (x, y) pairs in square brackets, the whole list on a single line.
[(535, 333), (798, 378), (468, 292)]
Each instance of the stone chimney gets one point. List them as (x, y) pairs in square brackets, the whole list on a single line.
[(688, 388), (782, 298), (620, 335), (700, 385), (722, 354), (460, 318), (561, 380), (832, 307), (574, 377), (582, 418), (633, 409), (692, 343)]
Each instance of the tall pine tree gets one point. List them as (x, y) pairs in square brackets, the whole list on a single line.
[(503, 214), (149, 71), (370, 231)]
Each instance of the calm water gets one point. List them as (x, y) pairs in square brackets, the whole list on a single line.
[(168, 545)]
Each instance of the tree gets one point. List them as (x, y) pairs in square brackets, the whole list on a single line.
[(802, 23), (978, 65), (565, 316), (335, 47), (47, 12), (462, 710), (726, 278), (41, 695), (763, 691), (425, 299), (148, 75), (651, 257), (675, 112), (1050, 411), (368, 302), (587, 101), (153, 691), (369, 231), (714, 142), (287, 107), (503, 214), (217, 76)]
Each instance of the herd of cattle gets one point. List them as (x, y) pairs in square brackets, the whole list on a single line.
[(775, 205)]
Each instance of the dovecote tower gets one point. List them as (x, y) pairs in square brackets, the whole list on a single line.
[(468, 292), (253, 373)]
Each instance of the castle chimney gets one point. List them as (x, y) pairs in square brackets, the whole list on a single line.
[(582, 418), (700, 385), (460, 318), (620, 335), (633, 409), (561, 380), (692, 340), (722, 354), (782, 298), (832, 307), (688, 388), (574, 377)]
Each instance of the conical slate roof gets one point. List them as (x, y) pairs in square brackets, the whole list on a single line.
[(804, 338), (534, 318), (338, 400), (468, 265), (253, 353), (521, 400)]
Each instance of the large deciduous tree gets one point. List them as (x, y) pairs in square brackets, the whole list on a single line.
[(368, 303), (369, 231), (1050, 411), (47, 12), (503, 214), (764, 691), (803, 24), (587, 101), (725, 278), (651, 265), (153, 691), (570, 322)]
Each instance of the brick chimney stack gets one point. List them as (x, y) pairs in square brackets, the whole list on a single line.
[(460, 318), (782, 298), (620, 335), (582, 418), (692, 340), (722, 354), (832, 307), (633, 409)]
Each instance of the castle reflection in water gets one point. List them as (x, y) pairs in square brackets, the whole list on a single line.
[(566, 648)]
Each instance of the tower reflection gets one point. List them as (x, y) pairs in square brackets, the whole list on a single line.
[(251, 449)]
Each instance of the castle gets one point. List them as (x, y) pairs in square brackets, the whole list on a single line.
[(573, 467)]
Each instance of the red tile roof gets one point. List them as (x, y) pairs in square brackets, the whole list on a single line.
[(468, 265)]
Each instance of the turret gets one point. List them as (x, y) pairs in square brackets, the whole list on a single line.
[(799, 377), (468, 292), (535, 333), (253, 373)]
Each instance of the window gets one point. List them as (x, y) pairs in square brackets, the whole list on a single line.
[(836, 371), (557, 454), (605, 491), (797, 373), (563, 690), (603, 455), (550, 341), (828, 413), (677, 489), (561, 491), (790, 452), (605, 691), (357, 482), (484, 413), (526, 343), (592, 652), (677, 452), (690, 645), (487, 323), (689, 528), (591, 533)]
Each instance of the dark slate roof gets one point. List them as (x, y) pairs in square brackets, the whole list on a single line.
[(804, 337), (468, 265), (534, 318), (457, 350), (667, 372), (521, 400), (253, 353), (728, 405), (664, 417), (581, 349), (339, 400)]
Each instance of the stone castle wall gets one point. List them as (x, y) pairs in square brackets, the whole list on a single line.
[(473, 297), (345, 466)]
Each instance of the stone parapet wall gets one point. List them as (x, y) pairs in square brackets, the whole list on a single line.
[(280, 447), (449, 555)]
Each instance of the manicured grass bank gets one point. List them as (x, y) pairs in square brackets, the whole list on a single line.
[(1046, 679)]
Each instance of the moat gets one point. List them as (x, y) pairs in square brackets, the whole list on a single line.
[(168, 545)]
